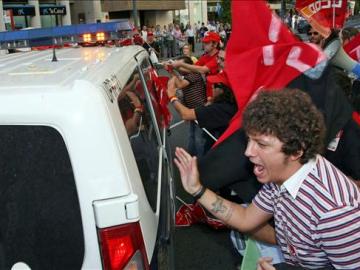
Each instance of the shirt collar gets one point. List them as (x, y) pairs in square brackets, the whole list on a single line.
[(293, 184)]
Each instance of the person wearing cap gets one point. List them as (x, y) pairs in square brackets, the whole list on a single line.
[(207, 63), (151, 44), (214, 117)]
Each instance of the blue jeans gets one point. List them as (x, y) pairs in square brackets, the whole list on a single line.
[(196, 140)]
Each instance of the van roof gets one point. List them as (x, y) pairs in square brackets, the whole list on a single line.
[(35, 68)]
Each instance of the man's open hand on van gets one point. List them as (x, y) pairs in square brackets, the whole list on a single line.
[(189, 173)]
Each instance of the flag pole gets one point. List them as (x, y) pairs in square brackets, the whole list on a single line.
[(333, 4)]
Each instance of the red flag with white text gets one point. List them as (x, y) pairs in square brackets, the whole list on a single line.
[(269, 56), (352, 48), (323, 15)]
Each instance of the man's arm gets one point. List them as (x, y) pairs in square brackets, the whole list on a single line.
[(185, 112), (181, 83), (265, 233), (192, 68), (241, 218), (244, 219)]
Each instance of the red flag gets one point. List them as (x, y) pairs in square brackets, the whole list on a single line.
[(323, 15), (161, 86), (356, 117), (268, 56), (352, 48)]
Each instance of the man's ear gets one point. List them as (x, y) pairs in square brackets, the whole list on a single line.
[(297, 156)]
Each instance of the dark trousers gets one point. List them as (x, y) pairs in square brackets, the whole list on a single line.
[(191, 41)]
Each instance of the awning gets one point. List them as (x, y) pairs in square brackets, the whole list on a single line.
[(20, 10), (49, 9)]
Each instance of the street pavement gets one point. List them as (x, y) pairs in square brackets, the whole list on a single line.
[(198, 247)]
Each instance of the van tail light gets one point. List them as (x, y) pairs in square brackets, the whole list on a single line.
[(122, 247)]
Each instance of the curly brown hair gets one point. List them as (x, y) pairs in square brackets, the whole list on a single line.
[(290, 116)]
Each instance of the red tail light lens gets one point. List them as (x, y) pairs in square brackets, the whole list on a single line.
[(119, 244)]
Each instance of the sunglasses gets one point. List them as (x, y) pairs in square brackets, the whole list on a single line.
[(312, 33)]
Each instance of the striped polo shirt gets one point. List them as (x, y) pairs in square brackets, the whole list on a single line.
[(317, 216), (195, 92)]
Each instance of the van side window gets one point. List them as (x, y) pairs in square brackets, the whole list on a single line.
[(146, 67), (141, 131)]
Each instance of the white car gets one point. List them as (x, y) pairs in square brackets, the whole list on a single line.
[(85, 175)]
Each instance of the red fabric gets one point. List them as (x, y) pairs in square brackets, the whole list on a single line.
[(269, 56), (137, 39), (218, 78), (353, 48), (189, 214), (126, 42), (323, 15), (161, 86), (356, 117), (211, 62), (211, 37)]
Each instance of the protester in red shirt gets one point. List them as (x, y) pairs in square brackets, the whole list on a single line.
[(207, 63)]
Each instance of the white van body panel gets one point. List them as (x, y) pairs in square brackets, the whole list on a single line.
[(68, 96)]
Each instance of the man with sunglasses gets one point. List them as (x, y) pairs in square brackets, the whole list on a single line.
[(315, 37), (215, 116)]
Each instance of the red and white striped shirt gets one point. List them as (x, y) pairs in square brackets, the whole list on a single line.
[(317, 216)]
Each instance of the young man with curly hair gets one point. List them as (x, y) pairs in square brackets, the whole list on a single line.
[(315, 207)]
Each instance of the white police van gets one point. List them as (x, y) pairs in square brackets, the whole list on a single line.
[(84, 162)]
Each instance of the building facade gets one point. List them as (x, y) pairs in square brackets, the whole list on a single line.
[(18, 14), (148, 12), (195, 11)]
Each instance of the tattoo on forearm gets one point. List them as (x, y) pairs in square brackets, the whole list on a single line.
[(218, 207)]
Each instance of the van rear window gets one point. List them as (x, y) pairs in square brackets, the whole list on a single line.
[(40, 221)]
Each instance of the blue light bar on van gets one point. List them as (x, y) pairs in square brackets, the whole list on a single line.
[(69, 33)]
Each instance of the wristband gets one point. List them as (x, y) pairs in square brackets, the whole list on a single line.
[(138, 110), (197, 195), (173, 99)]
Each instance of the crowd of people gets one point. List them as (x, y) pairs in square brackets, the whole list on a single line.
[(169, 40), (308, 204)]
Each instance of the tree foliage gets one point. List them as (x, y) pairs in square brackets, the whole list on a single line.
[(357, 7), (226, 11)]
